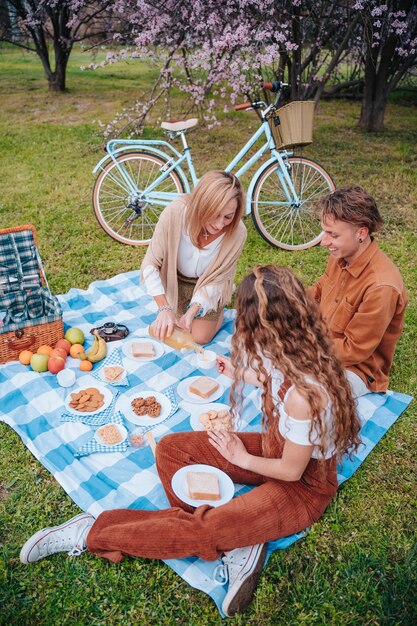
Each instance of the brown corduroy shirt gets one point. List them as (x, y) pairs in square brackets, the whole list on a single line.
[(364, 306)]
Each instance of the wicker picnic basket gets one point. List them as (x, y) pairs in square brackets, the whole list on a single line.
[(292, 124), (30, 315)]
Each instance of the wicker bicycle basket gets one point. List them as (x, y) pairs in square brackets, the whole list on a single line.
[(292, 125), (31, 314)]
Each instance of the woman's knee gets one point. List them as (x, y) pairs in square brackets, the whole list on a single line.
[(171, 444), (204, 333)]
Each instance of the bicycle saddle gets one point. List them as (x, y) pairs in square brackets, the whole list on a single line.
[(177, 125)]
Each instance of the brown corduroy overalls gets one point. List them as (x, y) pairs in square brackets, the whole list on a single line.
[(273, 509)]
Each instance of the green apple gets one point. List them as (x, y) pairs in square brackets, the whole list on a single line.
[(74, 335), (39, 362)]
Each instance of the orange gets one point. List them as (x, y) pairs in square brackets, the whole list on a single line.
[(86, 366), (25, 356), (75, 349), (45, 349)]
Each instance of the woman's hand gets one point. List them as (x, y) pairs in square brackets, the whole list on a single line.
[(224, 366), (230, 446), (186, 320), (164, 324)]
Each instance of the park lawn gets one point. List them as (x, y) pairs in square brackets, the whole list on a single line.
[(357, 565)]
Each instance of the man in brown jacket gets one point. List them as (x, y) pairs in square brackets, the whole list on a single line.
[(361, 294)]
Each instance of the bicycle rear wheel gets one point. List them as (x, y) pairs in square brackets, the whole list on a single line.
[(129, 217), (283, 223)]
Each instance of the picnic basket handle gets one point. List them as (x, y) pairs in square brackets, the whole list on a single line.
[(27, 342)]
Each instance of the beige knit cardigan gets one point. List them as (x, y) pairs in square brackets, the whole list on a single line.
[(162, 254)]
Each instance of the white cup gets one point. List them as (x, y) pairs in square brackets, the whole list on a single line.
[(206, 359), (66, 378)]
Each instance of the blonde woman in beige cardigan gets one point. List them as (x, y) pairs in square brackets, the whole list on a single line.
[(190, 264)]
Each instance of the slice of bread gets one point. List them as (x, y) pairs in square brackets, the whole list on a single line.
[(143, 348), (203, 387), (203, 486), (113, 373)]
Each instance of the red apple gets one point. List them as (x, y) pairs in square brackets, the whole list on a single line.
[(63, 343), (59, 352), (56, 364)]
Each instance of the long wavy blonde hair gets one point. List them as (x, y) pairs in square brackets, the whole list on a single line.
[(278, 320), (213, 192)]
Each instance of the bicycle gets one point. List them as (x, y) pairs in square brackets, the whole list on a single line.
[(138, 178)]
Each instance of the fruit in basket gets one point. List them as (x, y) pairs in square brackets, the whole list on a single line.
[(44, 349), (98, 350), (76, 350), (56, 364), (63, 344), (86, 366), (25, 356), (74, 335), (59, 352), (39, 362)]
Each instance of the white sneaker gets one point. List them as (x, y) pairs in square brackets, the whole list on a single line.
[(242, 567), (68, 537)]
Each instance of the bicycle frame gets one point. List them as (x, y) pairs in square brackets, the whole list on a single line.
[(176, 159)]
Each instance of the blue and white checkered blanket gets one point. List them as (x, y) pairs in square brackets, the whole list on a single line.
[(32, 404)]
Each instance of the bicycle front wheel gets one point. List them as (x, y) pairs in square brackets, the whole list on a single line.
[(284, 223), (120, 203)]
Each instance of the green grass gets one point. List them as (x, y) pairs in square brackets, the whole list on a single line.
[(357, 566)]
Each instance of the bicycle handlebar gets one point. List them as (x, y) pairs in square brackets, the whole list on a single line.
[(243, 106), (275, 86)]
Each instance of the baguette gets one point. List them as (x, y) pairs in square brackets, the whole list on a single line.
[(143, 348), (203, 387), (203, 486)]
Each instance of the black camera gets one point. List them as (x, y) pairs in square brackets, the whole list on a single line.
[(111, 331)]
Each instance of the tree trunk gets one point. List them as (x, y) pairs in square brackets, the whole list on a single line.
[(373, 114), (378, 67), (56, 80), (296, 56)]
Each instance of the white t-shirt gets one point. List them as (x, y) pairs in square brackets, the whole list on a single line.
[(296, 430), (191, 262)]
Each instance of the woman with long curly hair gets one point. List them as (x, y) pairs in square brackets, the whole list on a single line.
[(308, 422)]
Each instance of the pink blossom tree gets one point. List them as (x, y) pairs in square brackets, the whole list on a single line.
[(38, 25), (389, 52), (205, 46)]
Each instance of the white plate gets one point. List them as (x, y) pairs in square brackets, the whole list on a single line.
[(203, 408), (182, 390), (122, 430), (108, 397), (179, 485), (112, 382), (127, 350), (123, 405)]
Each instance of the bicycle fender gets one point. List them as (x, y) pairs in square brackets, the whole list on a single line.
[(141, 147), (255, 177), (107, 159)]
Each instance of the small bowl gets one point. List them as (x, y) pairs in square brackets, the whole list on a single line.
[(137, 439), (66, 378), (206, 359)]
